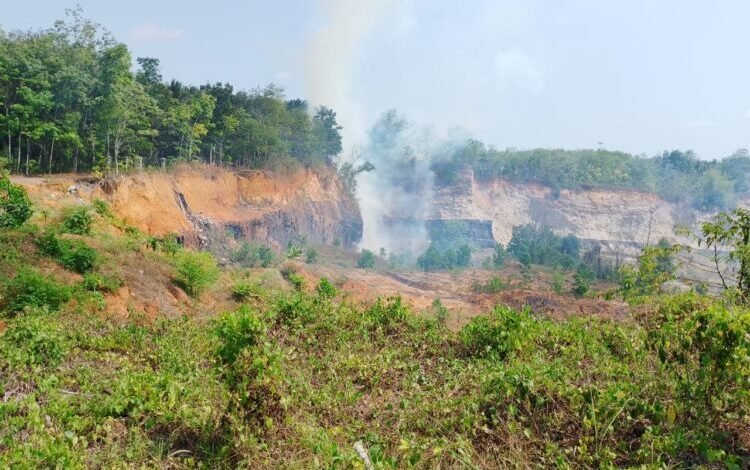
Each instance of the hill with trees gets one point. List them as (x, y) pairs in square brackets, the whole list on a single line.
[(69, 101)]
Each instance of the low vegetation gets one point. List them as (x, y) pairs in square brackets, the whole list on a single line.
[(292, 378)]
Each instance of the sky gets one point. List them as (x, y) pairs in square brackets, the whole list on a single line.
[(641, 76)]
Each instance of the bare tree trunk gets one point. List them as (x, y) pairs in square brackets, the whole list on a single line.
[(75, 161), (18, 161), (28, 151), (51, 151)]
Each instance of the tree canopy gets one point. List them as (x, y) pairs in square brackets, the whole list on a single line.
[(69, 101)]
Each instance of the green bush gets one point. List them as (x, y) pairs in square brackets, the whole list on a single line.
[(325, 289), (499, 256), (252, 256), (311, 255), (237, 331), (169, 244), (532, 244), (387, 314), (15, 206), (582, 281), (30, 289), (492, 286), (435, 259), (75, 255), (502, 333), (244, 291), (296, 280), (102, 208), (95, 282), (366, 260), (77, 221), (196, 271), (32, 339)]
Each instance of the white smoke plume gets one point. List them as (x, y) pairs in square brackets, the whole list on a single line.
[(330, 60)]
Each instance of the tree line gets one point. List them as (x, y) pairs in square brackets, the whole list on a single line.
[(677, 176), (69, 101)]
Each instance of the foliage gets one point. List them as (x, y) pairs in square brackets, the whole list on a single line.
[(582, 280), (75, 255), (325, 289), (654, 268), (311, 255), (72, 103), (33, 340), (253, 255), (95, 282), (532, 244), (30, 289), (15, 207), (77, 221), (102, 208), (675, 175), (492, 286), (244, 291), (434, 259), (500, 334), (195, 272), (499, 256), (294, 251), (386, 314), (732, 231), (366, 259)]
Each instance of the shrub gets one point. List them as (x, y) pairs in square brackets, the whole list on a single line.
[(73, 254), (77, 221), (33, 340), (99, 283), (296, 280), (244, 291), (169, 244), (501, 333), (236, 331), (463, 256), (366, 260), (293, 251), (311, 255), (252, 256), (15, 206), (325, 289), (78, 256), (102, 208), (30, 289), (387, 314), (492, 286), (196, 271), (530, 244), (582, 281), (499, 256)]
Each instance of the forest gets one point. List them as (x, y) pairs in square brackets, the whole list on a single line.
[(677, 176), (69, 101)]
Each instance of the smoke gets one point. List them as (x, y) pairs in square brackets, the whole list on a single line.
[(331, 57), (397, 196)]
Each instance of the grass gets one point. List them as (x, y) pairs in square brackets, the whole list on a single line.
[(294, 380)]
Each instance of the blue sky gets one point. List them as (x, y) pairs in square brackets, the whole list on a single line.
[(640, 76)]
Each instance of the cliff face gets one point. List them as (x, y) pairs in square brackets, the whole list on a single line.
[(201, 203), (252, 205), (609, 216)]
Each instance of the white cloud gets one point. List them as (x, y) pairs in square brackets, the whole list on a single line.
[(152, 32), (515, 69), (701, 123)]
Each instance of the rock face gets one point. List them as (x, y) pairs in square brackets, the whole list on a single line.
[(606, 216), (201, 202)]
